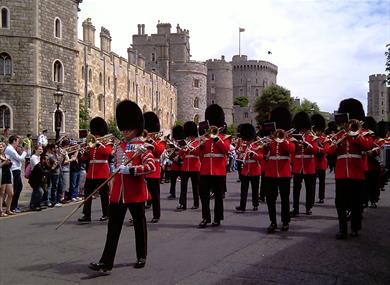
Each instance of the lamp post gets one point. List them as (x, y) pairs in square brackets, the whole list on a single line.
[(58, 95)]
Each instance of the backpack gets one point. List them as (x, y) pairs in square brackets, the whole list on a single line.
[(27, 171)]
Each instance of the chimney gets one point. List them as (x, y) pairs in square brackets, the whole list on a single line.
[(105, 40), (88, 32), (143, 29), (139, 29)]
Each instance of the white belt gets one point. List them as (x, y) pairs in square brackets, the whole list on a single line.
[(250, 161), (278, 157), (213, 155), (349, 155), (98, 161), (304, 156), (191, 156), (157, 160)]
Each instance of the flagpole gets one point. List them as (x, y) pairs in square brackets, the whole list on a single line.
[(239, 42)]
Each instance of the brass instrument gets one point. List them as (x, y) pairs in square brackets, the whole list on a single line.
[(146, 136), (261, 142), (90, 142), (354, 127), (280, 135)]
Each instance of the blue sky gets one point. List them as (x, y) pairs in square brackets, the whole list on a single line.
[(325, 49)]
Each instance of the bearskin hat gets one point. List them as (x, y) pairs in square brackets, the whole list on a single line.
[(353, 107), (247, 132), (370, 124), (215, 116), (318, 122), (301, 121), (152, 123), (129, 116), (383, 127), (282, 118), (178, 133), (332, 127), (190, 129), (98, 126)]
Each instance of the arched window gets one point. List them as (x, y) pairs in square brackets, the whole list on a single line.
[(196, 119), (257, 92), (246, 115), (100, 79), (171, 104), (58, 72), (89, 100), (5, 64), (82, 72), (5, 117), (101, 102), (57, 28), (5, 18), (196, 102), (167, 118), (90, 75)]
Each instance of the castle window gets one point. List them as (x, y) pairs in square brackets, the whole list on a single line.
[(101, 102), (196, 83), (241, 91), (4, 18), (212, 76), (167, 118), (82, 72), (58, 72), (171, 103), (246, 115), (153, 57), (90, 75), (196, 102), (196, 119), (212, 101), (5, 64), (100, 79), (257, 92), (57, 28), (5, 117), (89, 100), (212, 90), (265, 83)]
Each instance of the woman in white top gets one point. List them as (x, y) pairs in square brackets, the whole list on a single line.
[(6, 182), (34, 160)]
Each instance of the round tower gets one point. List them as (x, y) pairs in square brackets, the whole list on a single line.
[(377, 98), (220, 86), (190, 78)]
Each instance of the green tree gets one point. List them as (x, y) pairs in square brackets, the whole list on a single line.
[(242, 101), (178, 123), (84, 116), (271, 97), (307, 106), (387, 54), (231, 130), (113, 129)]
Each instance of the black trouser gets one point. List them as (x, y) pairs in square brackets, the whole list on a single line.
[(90, 186), (239, 168), (174, 174), (310, 185), (216, 184), (255, 181), (272, 187), (154, 190), (263, 185), (372, 191), (348, 197), (320, 174), (18, 187), (117, 214), (185, 175)]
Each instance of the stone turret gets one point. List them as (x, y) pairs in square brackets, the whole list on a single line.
[(164, 28), (132, 56), (89, 32), (105, 40)]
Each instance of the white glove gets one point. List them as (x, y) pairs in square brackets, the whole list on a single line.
[(123, 169)]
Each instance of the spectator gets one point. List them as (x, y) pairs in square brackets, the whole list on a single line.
[(35, 158), (5, 182), (42, 139), (54, 193), (16, 168), (4, 137), (75, 174), (38, 181), (27, 144), (63, 184)]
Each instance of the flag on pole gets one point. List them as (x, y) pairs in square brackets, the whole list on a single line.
[(269, 52), (241, 30)]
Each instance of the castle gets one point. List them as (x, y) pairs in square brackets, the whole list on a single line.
[(378, 98), (39, 51)]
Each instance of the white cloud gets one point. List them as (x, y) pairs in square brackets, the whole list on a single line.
[(325, 50)]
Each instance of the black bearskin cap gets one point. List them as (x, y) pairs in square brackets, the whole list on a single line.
[(190, 129), (129, 116), (301, 121), (215, 116), (370, 124), (98, 126), (152, 123), (353, 107), (318, 122), (247, 132), (383, 127), (178, 133), (282, 118)]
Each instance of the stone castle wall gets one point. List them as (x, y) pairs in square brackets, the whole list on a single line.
[(378, 97)]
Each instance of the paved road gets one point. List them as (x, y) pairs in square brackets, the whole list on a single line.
[(238, 252)]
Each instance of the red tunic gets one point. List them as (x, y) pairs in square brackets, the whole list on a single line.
[(320, 157), (98, 161), (159, 147), (279, 163), (303, 158), (128, 188), (251, 156), (191, 162)]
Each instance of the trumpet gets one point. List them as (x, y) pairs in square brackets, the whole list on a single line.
[(354, 127), (91, 141), (214, 131), (260, 142), (152, 136)]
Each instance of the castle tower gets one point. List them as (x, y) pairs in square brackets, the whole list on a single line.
[(89, 32), (250, 77), (38, 45), (220, 86), (378, 97)]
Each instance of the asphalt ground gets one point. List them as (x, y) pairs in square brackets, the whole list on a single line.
[(238, 252)]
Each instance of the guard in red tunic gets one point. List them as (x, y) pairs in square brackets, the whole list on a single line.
[(98, 170), (152, 126), (304, 163), (175, 158), (213, 152), (321, 163), (278, 170), (251, 155), (190, 167), (129, 191), (349, 173)]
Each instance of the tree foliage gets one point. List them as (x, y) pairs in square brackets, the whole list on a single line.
[(387, 54), (271, 97), (113, 129), (84, 116), (242, 101), (307, 106), (231, 130)]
